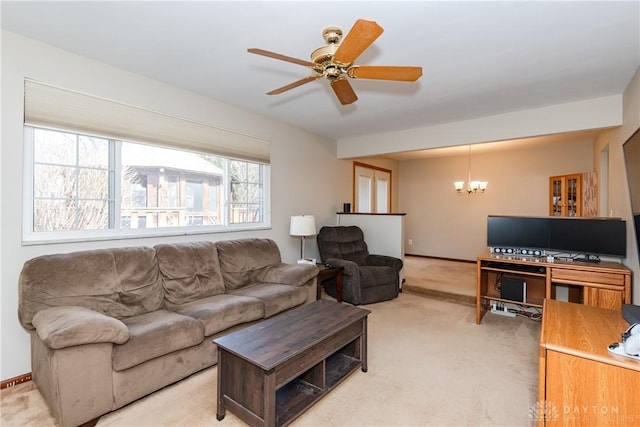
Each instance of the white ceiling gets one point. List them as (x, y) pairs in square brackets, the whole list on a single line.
[(478, 58)]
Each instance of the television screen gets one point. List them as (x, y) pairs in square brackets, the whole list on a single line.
[(520, 232), (596, 236), (589, 236)]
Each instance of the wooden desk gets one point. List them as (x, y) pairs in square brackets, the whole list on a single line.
[(604, 284), (580, 381)]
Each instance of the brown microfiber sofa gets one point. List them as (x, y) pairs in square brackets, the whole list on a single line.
[(110, 326)]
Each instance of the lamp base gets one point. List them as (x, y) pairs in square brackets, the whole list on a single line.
[(307, 261)]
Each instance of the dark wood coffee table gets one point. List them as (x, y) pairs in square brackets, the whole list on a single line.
[(271, 372)]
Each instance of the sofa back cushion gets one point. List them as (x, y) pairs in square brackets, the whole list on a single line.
[(190, 271), (119, 282), (245, 262)]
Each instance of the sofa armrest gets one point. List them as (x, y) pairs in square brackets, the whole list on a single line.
[(385, 260), (291, 274), (66, 326)]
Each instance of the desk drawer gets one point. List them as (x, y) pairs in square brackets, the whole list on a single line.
[(578, 276)]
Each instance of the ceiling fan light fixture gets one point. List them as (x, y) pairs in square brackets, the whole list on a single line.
[(334, 61)]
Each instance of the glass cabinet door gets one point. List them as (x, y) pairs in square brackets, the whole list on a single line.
[(572, 196), (556, 200)]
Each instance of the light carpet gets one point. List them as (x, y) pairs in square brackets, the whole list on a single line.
[(429, 365)]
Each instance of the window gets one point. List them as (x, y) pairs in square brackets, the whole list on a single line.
[(193, 197), (83, 187), (246, 192), (71, 175)]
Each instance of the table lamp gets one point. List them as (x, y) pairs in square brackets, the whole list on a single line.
[(303, 226)]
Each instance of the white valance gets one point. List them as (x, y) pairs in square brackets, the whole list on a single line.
[(50, 106)]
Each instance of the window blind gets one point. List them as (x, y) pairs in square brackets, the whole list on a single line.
[(50, 106)]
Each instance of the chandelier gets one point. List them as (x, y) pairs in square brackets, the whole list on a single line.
[(472, 187)]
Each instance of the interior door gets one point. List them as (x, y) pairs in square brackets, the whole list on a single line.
[(382, 186), (372, 188), (364, 179)]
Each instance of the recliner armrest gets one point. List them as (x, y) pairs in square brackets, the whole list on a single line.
[(351, 269), (66, 326), (291, 274), (385, 260)]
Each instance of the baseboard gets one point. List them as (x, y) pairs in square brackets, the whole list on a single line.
[(441, 258), (15, 381)]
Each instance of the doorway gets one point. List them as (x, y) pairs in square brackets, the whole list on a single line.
[(372, 188)]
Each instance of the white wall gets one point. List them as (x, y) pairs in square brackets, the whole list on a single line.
[(306, 176), (589, 114), (619, 196), (444, 223)]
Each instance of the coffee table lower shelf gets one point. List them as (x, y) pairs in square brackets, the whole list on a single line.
[(297, 396)]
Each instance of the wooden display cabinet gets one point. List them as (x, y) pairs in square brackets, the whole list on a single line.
[(565, 195), (574, 195)]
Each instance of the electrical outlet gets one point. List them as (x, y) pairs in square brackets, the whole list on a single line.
[(411, 241)]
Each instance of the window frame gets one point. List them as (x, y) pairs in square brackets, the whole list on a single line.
[(31, 237)]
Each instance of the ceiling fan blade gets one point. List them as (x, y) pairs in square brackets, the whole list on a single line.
[(404, 74), (344, 91), (360, 37), (294, 84), (280, 57)]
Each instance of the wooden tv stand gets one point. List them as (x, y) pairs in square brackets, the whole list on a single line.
[(604, 284)]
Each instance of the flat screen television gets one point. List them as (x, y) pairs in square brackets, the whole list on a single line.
[(595, 236), (520, 232), (589, 236)]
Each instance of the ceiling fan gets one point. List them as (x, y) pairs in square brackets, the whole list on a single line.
[(335, 61)]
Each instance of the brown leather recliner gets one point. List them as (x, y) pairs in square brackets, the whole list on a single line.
[(367, 278)]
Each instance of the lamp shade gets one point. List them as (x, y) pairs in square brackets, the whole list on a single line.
[(303, 225)]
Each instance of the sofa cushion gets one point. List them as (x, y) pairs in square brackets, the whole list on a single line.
[(155, 334), (221, 312), (190, 271), (275, 297), (119, 282), (244, 262), (61, 327)]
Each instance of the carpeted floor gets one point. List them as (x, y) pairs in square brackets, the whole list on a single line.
[(429, 364)]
